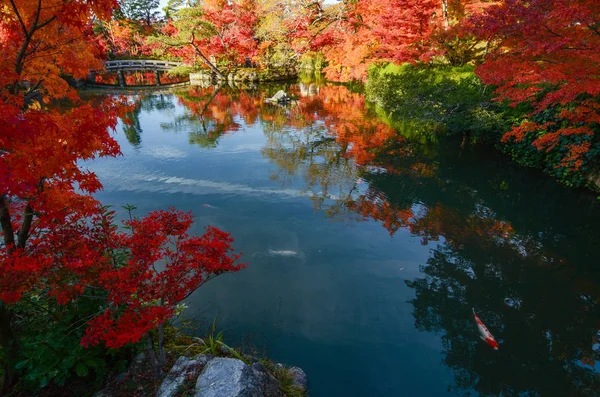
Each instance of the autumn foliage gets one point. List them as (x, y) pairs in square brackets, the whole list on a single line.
[(546, 55), (58, 242)]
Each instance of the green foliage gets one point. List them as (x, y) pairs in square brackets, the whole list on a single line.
[(428, 102), (140, 10), (425, 102), (282, 374), (312, 61), (50, 352), (212, 343)]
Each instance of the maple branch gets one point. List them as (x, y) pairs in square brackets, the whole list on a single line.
[(210, 65), (549, 30), (45, 22), (18, 14), (28, 34)]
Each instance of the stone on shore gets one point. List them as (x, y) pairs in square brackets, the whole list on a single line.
[(230, 377), (182, 369)]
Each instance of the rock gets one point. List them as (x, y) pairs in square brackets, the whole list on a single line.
[(182, 369), (230, 377), (268, 385), (279, 97), (137, 363), (299, 378)]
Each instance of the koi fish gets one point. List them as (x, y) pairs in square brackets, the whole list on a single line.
[(284, 253), (484, 334)]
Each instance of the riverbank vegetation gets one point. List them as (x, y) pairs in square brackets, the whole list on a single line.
[(529, 70)]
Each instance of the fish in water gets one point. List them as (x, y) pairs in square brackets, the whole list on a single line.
[(283, 253), (484, 334)]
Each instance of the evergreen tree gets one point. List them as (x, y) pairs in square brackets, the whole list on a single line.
[(138, 10)]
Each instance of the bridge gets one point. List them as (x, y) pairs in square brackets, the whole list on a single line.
[(140, 64), (123, 65)]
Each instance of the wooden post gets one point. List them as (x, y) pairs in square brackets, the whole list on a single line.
[(157, 76), (121, 77)]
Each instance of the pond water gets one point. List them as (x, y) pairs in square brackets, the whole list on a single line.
[(366, 253)]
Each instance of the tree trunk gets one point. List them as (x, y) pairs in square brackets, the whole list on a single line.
[(152, 355), (6, 223), (445, 14), (25, 226), (161, 344), (8, 342), (209, 63)]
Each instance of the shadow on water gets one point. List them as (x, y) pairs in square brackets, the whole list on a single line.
[(507, 241)]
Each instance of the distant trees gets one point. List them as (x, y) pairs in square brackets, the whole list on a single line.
[(138, 10)]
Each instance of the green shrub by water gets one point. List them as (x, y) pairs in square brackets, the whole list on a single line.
[(428, 102)]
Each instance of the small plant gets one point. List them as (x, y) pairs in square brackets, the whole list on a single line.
[(285, 378), (212, 342)]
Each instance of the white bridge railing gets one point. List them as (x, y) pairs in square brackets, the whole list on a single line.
[(140, 64), (125, 65)]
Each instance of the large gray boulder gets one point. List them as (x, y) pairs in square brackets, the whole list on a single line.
[(230, 377), (182, 369)]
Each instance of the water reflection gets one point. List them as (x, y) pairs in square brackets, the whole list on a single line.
[(131, 127), (137, 78), (528, 267)]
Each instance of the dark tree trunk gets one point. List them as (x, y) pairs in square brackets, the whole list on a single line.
[(152, 355), (6, 223), (161, 344), (10, 349)]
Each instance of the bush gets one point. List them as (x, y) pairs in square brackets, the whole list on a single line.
[(50, 350), (552, 160), (425, 102)]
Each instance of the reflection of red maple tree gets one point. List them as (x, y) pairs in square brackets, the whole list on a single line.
[(346, 116), (140, 78), (109, 78)]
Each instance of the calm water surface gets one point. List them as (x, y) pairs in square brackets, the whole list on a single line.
[(367, 253)]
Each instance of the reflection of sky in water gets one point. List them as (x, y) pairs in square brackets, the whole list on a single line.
[(340, 307)]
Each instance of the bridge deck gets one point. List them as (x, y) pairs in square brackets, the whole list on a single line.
[(123, 65)]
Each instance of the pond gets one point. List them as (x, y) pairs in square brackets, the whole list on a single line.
[(367, 252)]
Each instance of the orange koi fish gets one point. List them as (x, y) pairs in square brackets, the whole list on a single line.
[(484, 334)]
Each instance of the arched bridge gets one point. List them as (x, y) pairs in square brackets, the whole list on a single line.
[(140, 64), (126, 65)]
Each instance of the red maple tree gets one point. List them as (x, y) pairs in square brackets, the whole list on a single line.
[(57, 240), (546, 55)]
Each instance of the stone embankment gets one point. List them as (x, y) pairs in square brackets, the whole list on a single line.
[(245, 75)]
